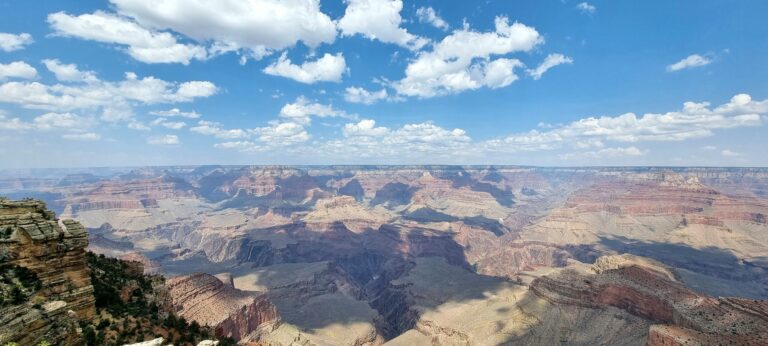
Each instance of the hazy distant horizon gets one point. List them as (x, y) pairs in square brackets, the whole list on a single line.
[(385, 166)]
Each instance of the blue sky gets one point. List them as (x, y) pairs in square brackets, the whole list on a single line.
[(552, 82)]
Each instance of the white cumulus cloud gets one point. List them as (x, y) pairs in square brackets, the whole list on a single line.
[(11, 42), (115, 100), (328, 68), (51, 121), (592, 140), (496, 73), (366, 127), (360, 95), (462, 61), (287, 130), (173, 125), (378, 20), (695, 120), (69, 72), (17, 69), (428, 15), (279, 134), (256, 27), (303, 109), (142, 44), (215, 129)]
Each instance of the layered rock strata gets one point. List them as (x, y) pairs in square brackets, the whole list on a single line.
[(650, 290), (231, 312), (54, 250)]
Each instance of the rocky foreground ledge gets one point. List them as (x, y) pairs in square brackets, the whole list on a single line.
[(47, 285)]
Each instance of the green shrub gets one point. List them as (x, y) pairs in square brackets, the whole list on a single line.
[(17, 295)]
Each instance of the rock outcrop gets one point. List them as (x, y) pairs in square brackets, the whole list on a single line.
[(147, 266), (54, 252), (231, 312), (650, 290), (161, 341)]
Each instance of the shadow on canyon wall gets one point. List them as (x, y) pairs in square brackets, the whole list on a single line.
[(371, 259)]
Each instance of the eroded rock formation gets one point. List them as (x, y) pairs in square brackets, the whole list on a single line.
[(231, 312), (650, 290), (54, 252)]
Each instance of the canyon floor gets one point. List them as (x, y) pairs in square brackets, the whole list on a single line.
[(424, 255)]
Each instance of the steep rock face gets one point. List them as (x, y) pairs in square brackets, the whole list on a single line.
[(54, 251), (671, 335), (76, 208), (231, 312), (147, 266), (154, 188), (258, 314), (640, 195), (749, 181), (262, 182), (632, 194), (457, 194), (650, 290), (26, 325), (125, 195), (503, 256)]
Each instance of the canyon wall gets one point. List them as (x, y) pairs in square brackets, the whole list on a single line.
[(54, 251), (650, 290), (231, 312)]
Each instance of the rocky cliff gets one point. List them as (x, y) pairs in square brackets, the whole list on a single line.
[(51, 253), (650, 290), (53, 291), (231, 312)]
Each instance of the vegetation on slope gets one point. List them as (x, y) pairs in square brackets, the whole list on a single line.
[(129, 308), (17, 284)]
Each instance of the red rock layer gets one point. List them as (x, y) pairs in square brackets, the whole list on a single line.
[(154, 188), (667, 194), (130, 194), (502, 256), (650, 292), (231, 312)]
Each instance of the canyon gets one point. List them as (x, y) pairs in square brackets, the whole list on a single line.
[(425, 255)]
